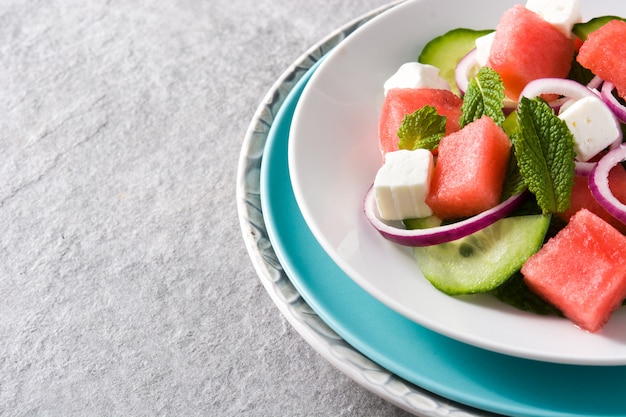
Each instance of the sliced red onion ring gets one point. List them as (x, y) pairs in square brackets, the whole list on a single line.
[(619, 112), (462, 75), (616, 107), (440, 234), (559, 86), (561, 103), (583, 169), (599, 183), (463, 68), (595, 83)]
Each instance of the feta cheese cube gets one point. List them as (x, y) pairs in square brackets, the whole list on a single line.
[(402, 184), (416, 75), (483, 48), (561, 13), (593, 125)]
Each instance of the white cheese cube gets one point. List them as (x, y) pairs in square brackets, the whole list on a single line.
[(593, 125), (561, 13), (483, 48), (416, 75), (402, 184)]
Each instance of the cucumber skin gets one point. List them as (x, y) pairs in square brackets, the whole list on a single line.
[(460, 277), (582, 30), (445, 51)]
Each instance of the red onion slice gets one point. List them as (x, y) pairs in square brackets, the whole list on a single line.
[(595, 83), (558, 86), (561, 103), (463, 75), (583, 169), (463, 68), (618, 110), (616, 107), (599, 183), (440, 234)]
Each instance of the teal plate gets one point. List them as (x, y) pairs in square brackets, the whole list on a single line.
[(465, 374)]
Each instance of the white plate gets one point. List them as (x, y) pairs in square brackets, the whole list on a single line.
[(334, 156)]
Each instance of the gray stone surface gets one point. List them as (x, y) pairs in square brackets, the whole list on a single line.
[(125, 285)]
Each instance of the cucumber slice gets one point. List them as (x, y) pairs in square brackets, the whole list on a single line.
[(511, 124), (422, 223), (582, 30), (482, 261), (445, 51)]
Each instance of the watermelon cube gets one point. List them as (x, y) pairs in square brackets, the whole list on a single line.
[(603, 53), (527, 47), (581, 271), (470, 170), (402, 101)]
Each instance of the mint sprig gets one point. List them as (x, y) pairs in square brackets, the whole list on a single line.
[(513, 180), (422, 129), (544, 148), (516, 293), (484, 97)]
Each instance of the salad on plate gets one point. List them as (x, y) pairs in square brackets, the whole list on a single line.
[(502, 155)]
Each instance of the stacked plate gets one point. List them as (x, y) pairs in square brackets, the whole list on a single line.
[(308, 157)]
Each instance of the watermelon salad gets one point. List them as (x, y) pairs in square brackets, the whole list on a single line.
[(502, 162)]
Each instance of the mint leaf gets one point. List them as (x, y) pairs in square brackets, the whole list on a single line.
[(579, 73), (423, 129), (513, 180), (484, 97), (544, 148), (516, 293)]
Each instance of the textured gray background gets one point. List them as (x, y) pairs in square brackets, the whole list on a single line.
[(125, 285)]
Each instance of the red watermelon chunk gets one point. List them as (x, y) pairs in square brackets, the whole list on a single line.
[(469, 171), (603, 53), (582, 197), (582, 270), (526, 47), (402, 101)]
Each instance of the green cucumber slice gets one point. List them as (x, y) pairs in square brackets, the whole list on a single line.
[(445, 51), (511, 124), (422, 223), (582, 30), (484, 260)]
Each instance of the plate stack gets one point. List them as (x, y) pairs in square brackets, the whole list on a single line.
[(360, 301)]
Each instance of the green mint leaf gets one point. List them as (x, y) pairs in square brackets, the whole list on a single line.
[(513, 180), (544, 148), (579, 73), (484, 97), (423, 129), (515, 292)]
